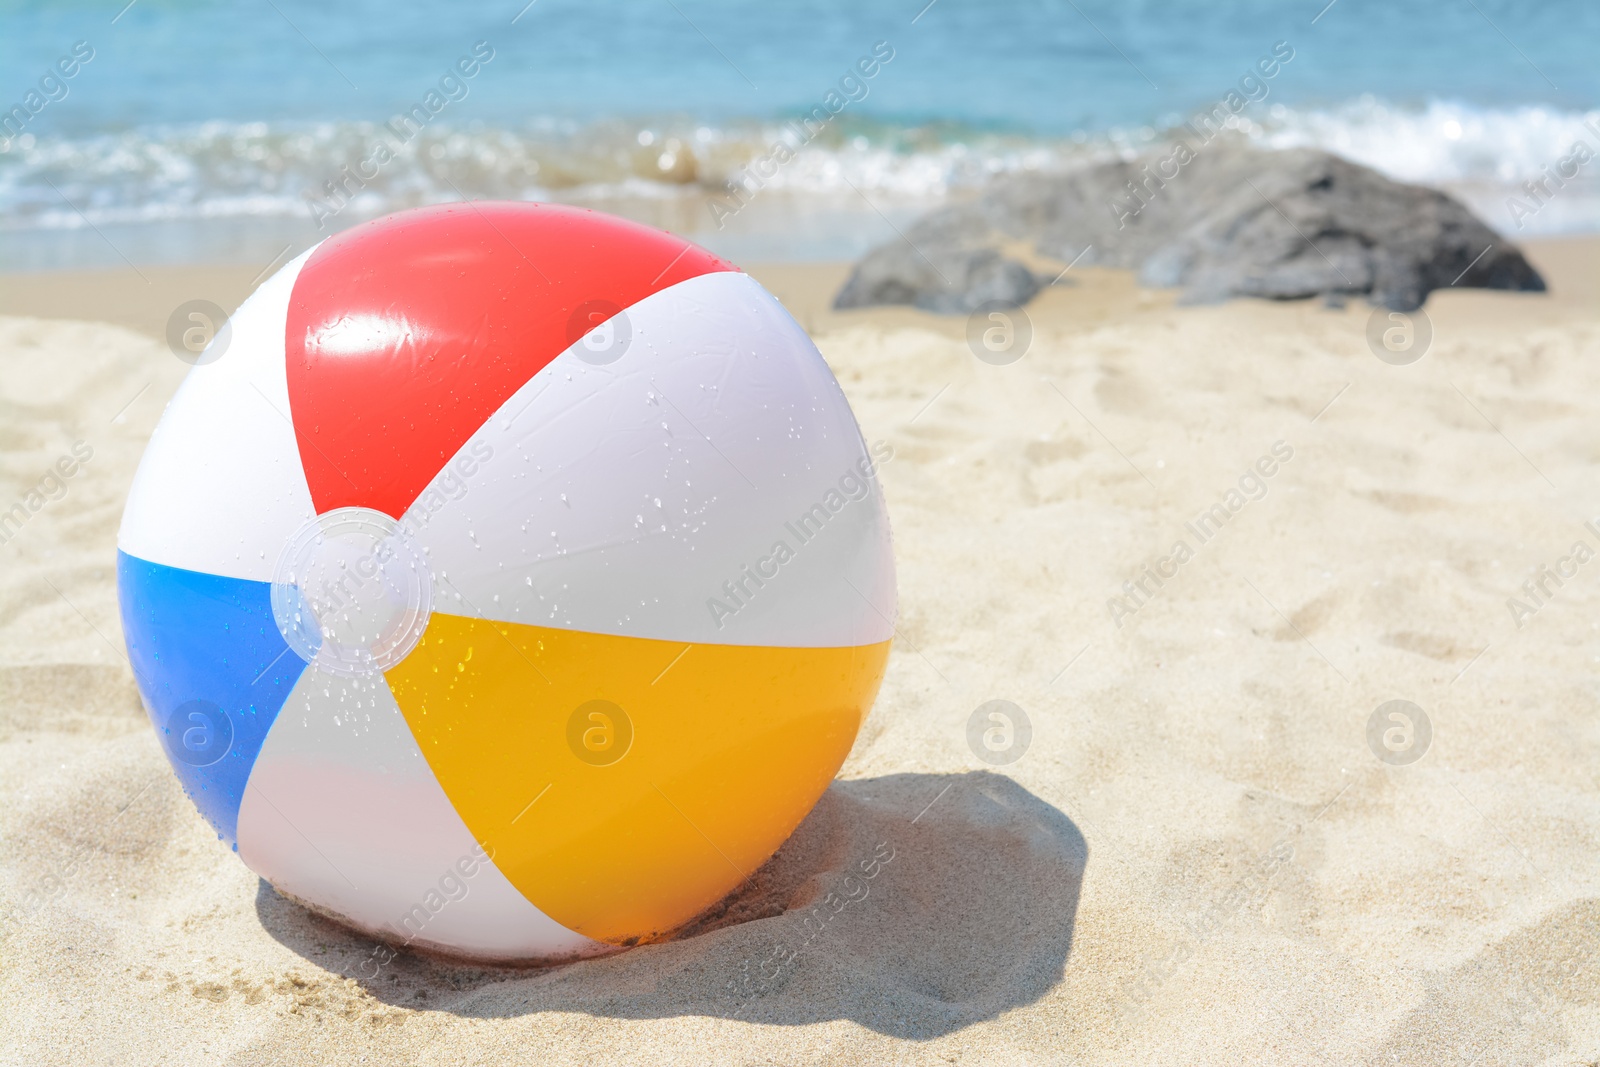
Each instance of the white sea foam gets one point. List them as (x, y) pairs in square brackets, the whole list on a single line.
[(220, 170), (1442, 142)]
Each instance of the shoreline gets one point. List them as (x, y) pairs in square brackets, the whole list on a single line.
[(141, 299)]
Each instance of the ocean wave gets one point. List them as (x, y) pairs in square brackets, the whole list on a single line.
[(256, 169), (244, 170), (1441, 143)]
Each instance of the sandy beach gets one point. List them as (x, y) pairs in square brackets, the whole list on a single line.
[(1198, 858)]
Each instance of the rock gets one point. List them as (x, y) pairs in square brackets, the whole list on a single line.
[(1218, 221), (951, 280)]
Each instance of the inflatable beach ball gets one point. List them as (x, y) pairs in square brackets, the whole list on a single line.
[(512, 585)]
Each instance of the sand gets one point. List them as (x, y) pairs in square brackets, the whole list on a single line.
[(1197, 859)]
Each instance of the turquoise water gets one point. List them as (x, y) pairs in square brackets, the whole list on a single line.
[(211, 130)]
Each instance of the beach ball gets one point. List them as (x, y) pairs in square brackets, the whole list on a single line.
[(512, 584)]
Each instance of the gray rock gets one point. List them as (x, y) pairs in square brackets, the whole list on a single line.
[(1218, 220), (948, 279)]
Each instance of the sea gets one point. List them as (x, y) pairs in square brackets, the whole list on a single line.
[(239, 131)]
